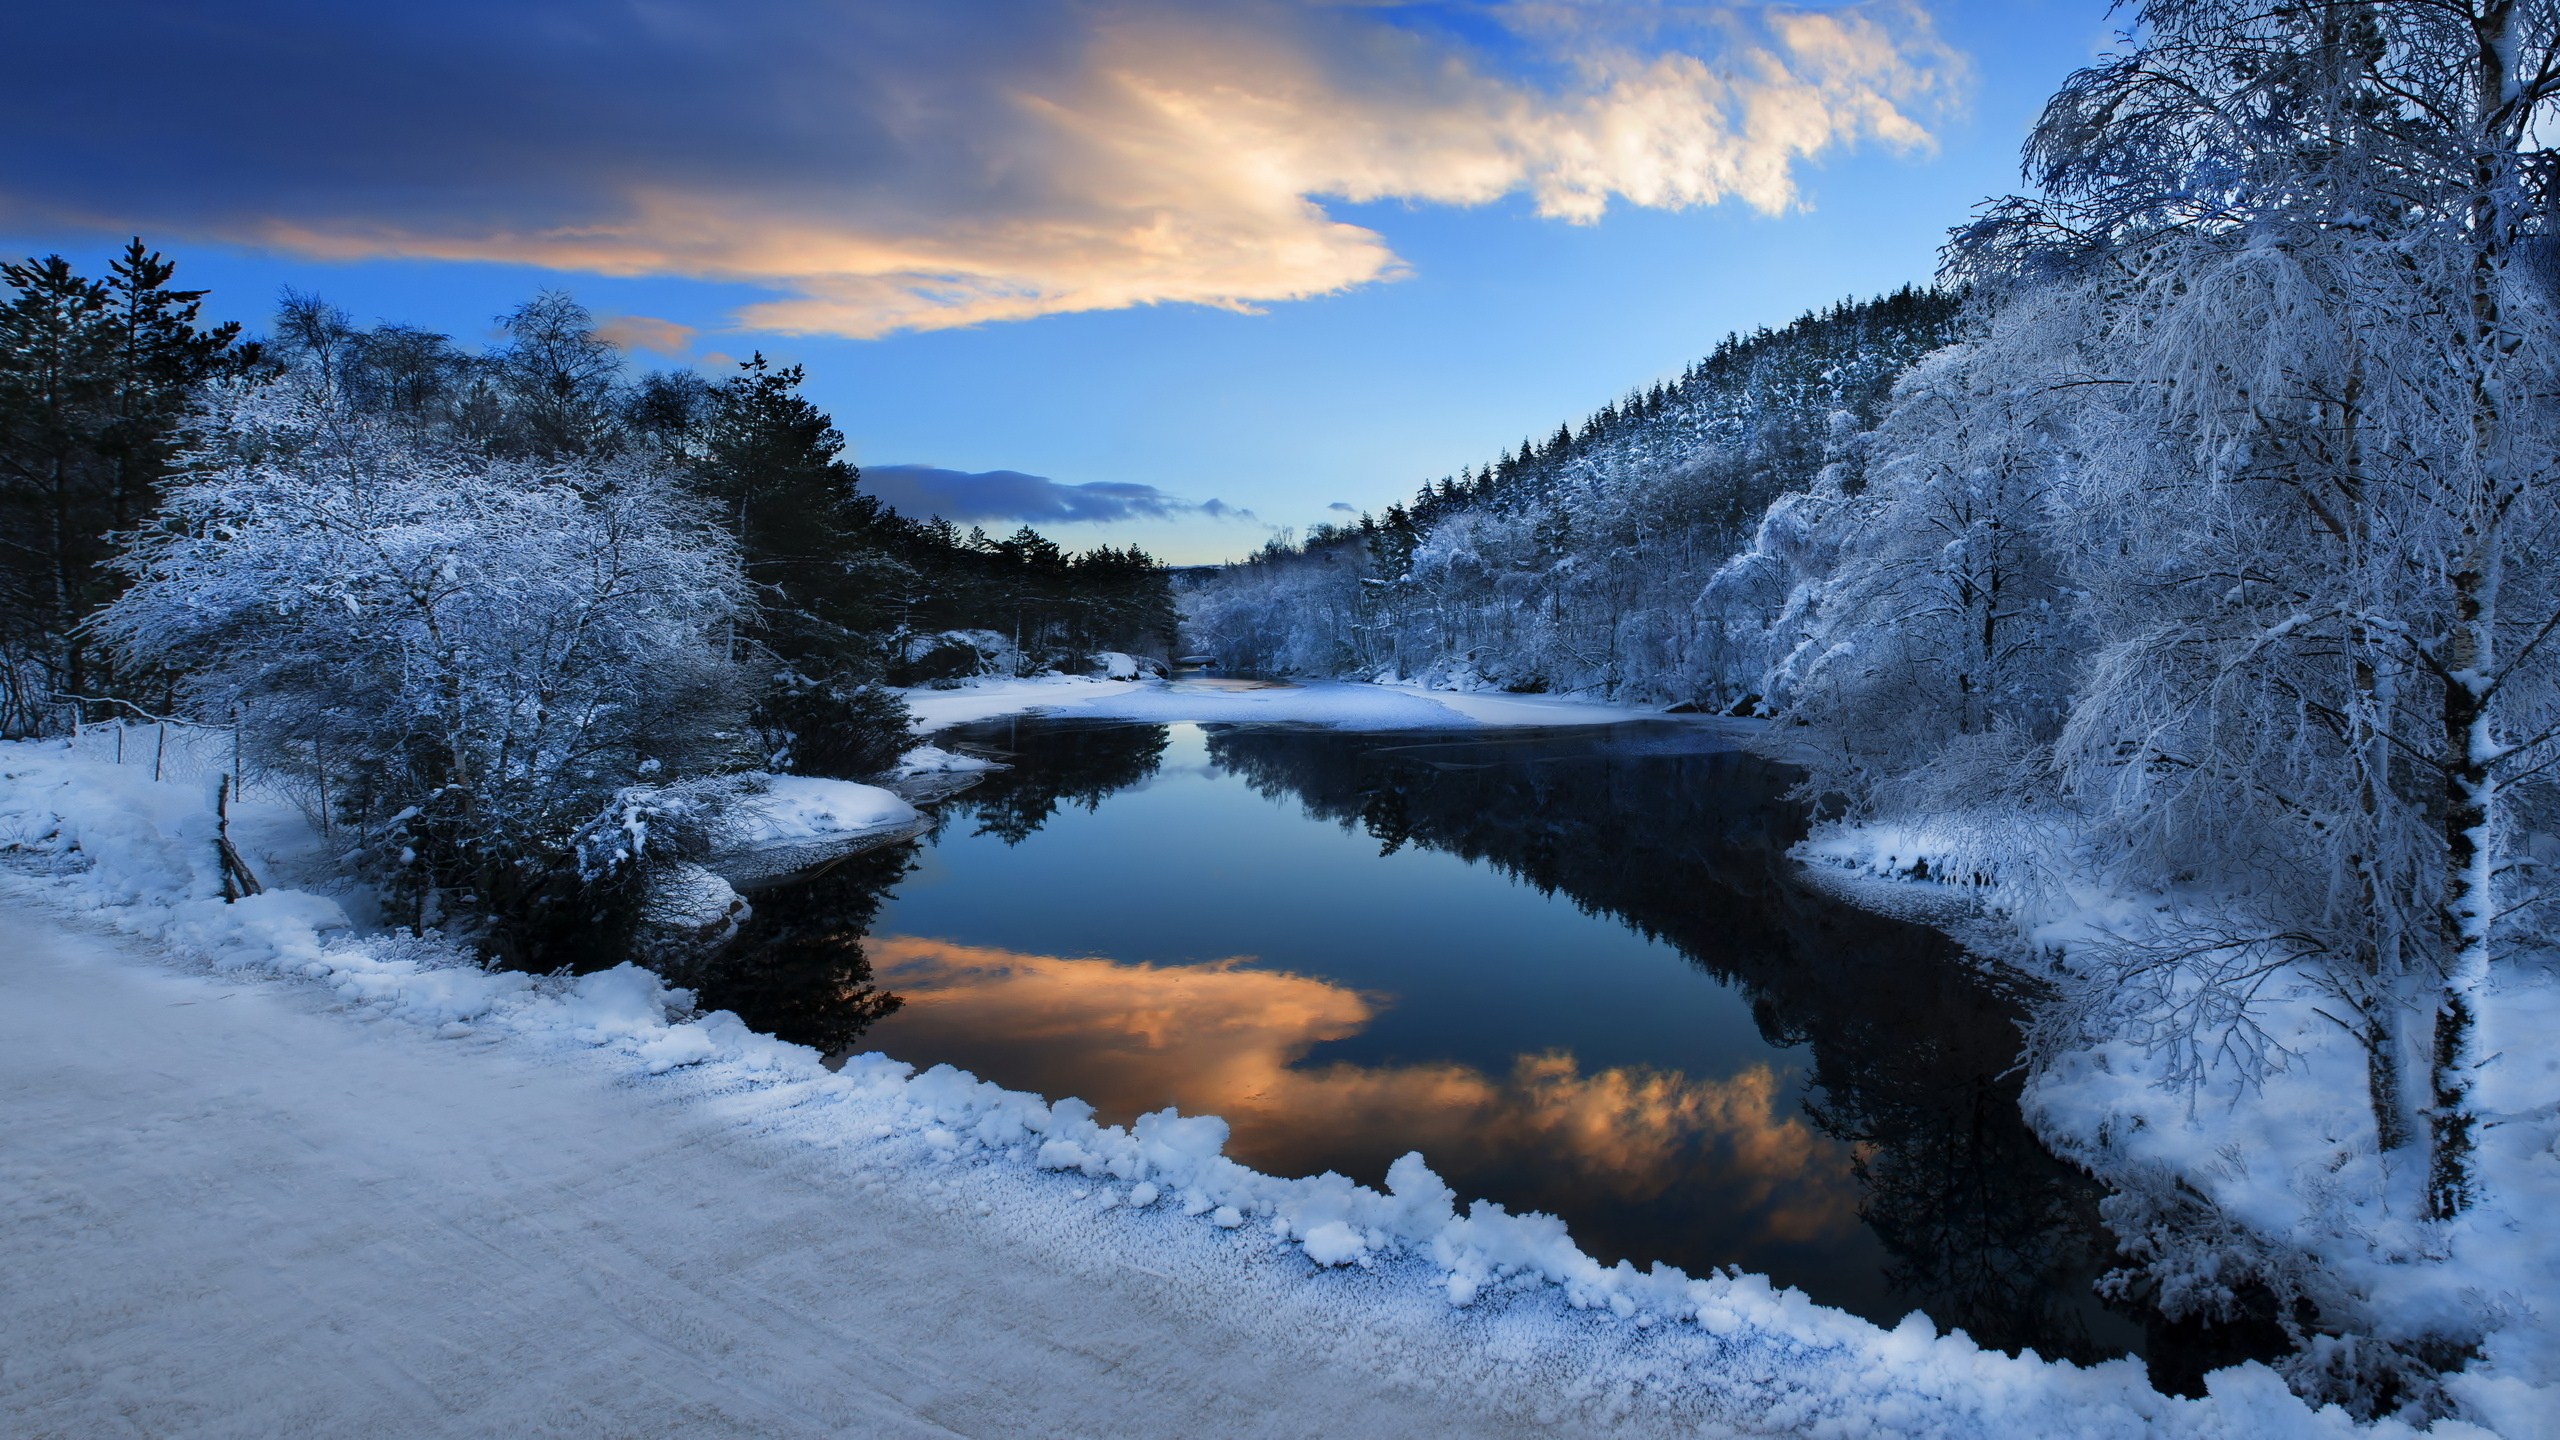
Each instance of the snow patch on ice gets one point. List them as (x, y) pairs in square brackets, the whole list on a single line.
[(934, 760), (1345, 705)]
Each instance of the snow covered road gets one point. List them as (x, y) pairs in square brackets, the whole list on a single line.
[(227, 1210)]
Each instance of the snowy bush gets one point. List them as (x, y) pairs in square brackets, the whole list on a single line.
[(469, 656)]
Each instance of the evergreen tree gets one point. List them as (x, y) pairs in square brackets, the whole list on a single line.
[(96, 378), (772, 463)]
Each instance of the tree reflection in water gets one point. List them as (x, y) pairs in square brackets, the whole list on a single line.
[(1053, 764), (1909, 1047), (1912, 1047), (797, 969)]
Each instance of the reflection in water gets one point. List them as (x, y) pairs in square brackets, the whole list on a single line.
[(1852, 1127), (798, 970), (1053, 765), (1219, 1038), (1912, 1048)]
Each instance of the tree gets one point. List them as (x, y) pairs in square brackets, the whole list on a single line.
[(773, 463), (2319, 355), (1947, 615), (472, 657), (558, 378), (96, 380)]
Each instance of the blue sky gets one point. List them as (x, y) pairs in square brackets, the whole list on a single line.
[(1137, 257)]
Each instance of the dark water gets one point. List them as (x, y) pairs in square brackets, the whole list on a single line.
[(1573, 968)]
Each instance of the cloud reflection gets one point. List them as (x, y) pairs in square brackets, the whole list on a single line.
[(1224, 1038)]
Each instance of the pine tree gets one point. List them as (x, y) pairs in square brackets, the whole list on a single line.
[(772, 463), (96, 378)]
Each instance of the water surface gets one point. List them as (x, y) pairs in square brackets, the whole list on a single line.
[(1572, 967)]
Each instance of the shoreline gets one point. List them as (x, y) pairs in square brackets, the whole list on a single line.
[(1666, 1344)]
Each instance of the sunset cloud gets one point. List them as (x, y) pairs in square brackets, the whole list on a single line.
[(646, 332), (881, 167), (1226, 1038)]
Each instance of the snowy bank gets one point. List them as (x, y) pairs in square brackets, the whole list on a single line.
[(775, 825), (2277, 1181), (1345, 705), (770, 810), (1474, 1294)]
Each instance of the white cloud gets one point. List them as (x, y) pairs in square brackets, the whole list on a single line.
[(883, 168)]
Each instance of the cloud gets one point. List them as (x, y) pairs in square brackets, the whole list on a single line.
[(963, 496), (646, 332), (1222, 1038), (881, 166), (1342, 506)]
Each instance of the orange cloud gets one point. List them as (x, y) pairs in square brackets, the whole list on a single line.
[(1222, 1038), (1145, 152), (646, 332)]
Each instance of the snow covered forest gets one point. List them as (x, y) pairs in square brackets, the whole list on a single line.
[(505, 621), (2176, 578), (1571, 564)]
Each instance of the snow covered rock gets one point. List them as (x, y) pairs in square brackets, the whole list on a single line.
[(776, 810), (690, 911)]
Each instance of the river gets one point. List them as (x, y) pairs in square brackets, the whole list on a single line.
[(1573, 967)]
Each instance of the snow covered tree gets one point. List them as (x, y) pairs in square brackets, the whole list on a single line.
[(2320, 453), (1941, 642), (469, 656)]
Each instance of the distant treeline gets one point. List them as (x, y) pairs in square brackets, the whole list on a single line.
[(1575, 563)]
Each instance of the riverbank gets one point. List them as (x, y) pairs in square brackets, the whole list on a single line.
[(947, 1229), (1340, 704), (2245, 1166)]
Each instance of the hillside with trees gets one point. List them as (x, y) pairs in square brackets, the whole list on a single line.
[(2183, 594), (1574, 563)]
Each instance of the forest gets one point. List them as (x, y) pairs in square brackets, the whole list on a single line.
[(503, 618), (2174, 575)]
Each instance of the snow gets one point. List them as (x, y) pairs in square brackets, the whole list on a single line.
[(2291, 1158), (1119, 665), (934, 760), (1340, 704), (775, 810), (390, 1199)]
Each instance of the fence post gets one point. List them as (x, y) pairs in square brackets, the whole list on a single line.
[(160, 757), (119, 742), (237, 882)]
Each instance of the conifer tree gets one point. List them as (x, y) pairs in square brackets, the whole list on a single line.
[(96, 378)]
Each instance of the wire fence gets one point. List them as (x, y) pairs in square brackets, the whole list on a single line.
[(182, 752), (172, 750)]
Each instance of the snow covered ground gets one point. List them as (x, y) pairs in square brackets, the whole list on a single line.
[(2289, 1165), (264, 1172), (1343, 704)]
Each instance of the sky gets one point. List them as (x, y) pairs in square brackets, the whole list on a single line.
[(1132, 271)]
